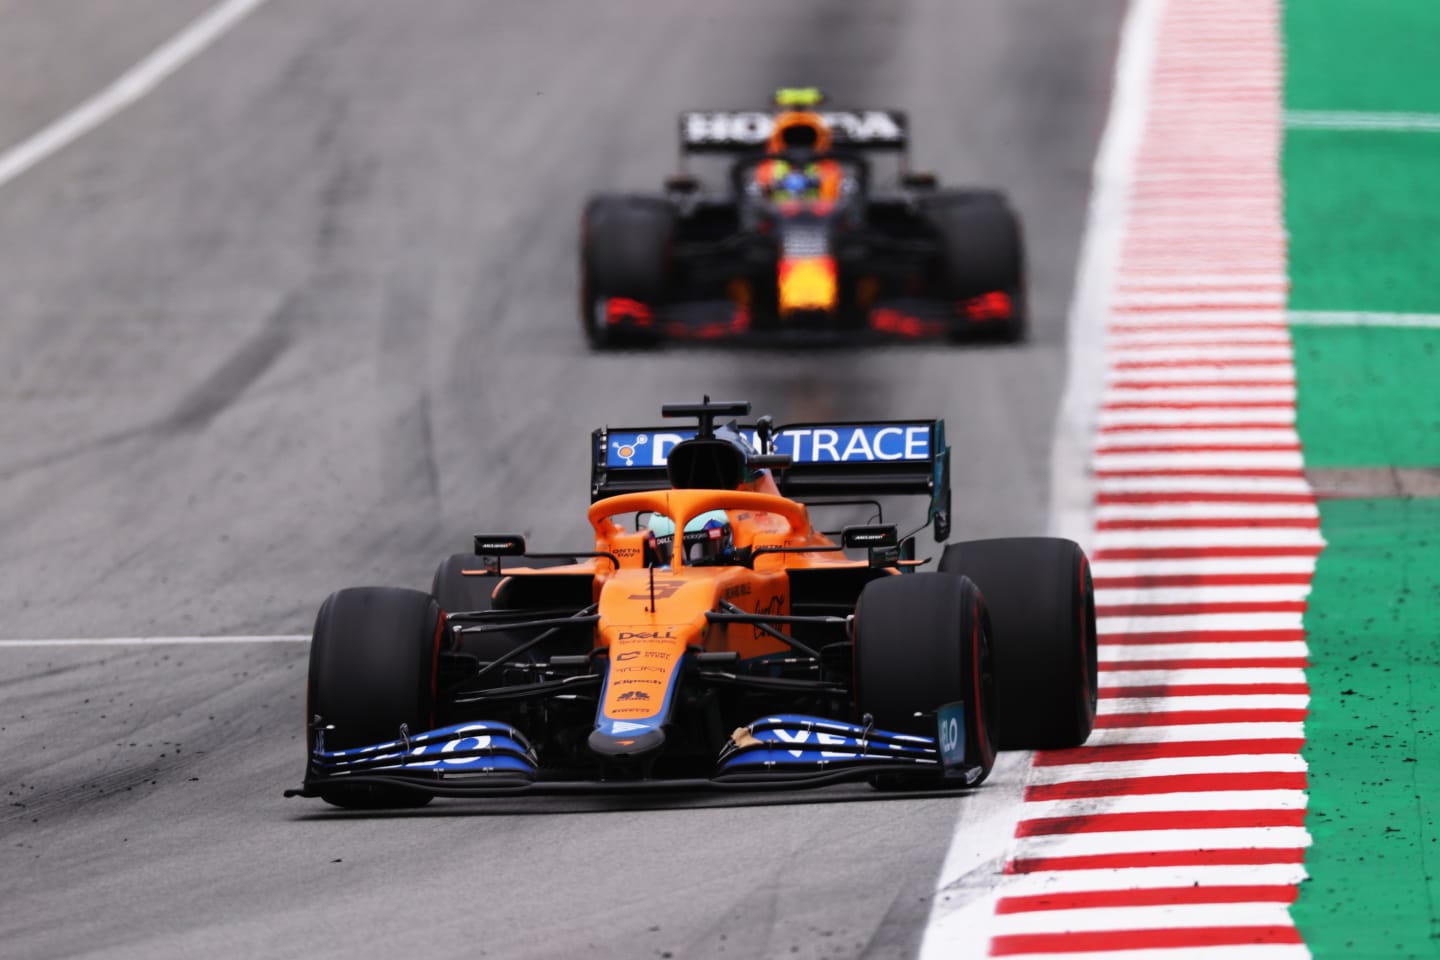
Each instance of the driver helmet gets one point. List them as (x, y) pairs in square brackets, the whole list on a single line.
[(707, 541), (799, 130), (793, 173)]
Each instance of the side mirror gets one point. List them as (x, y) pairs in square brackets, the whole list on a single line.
[(870, 536), (493, 546), (940, 516), (499, 545), (919, 180), (681, 183), (882, 540)]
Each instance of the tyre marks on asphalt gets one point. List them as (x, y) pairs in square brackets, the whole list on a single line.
[(1179, 828)]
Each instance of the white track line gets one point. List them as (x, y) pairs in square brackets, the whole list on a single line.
[(1122, 706), (1166, 916), (1166, 767), (1147, 841), (1202, 565), (1212, 416), (1357, 121), (1208, 511), (1191, 623), (1142, 877), (132, 86), (1198, 652), (1218, 484), (1188, 281), (1200, 437), (1250, 593), (1208, 297), (1248, 951), (1342, 318), (1169, 803), (155, 641), (1194, 733)]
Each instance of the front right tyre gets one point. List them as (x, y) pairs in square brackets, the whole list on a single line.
[(982, 251), (1042, 605), (922, 641)]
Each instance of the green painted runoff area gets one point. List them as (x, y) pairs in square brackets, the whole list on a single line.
[(1368, 396), (1372, 739), (1363, 210), (1362, 55)]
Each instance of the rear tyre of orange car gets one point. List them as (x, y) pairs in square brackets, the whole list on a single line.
[(982, 252), (373, 665), (1042, 609), (625, 246), (922, 641), (457, 593)]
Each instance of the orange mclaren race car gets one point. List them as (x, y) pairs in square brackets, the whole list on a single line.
[(713, 637), (801, 240)]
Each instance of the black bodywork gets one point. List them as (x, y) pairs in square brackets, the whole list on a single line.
[(703, 259)]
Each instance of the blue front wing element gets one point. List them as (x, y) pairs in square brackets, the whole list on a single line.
[(791, 742), (465, 748), (780, 751)]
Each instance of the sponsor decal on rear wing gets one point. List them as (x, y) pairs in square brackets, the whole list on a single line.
[(725, 131), (850, 458), (805, 444)]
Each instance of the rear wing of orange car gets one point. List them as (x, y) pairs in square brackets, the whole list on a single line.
[(832, 459), (741, 131)]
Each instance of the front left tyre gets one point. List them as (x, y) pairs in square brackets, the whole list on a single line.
[(373, 663), (625, 249)]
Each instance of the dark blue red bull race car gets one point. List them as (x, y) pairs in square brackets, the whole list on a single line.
[(799, 241)]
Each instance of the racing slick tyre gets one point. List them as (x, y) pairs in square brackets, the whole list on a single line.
[(625, 244), (922, 641), (372, 668), (457, 593), (1042, 608), (982, 251)]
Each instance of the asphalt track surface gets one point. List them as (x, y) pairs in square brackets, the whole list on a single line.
[(305, 318)]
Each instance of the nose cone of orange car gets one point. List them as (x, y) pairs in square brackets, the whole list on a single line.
[(648, 619)]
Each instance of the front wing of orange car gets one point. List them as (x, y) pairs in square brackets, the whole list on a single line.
[(780, 751)]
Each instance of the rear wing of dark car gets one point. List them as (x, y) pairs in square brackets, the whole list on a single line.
[(740, 131), (868, 458)]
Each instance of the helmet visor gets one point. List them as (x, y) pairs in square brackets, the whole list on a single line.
[(800, 135)]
